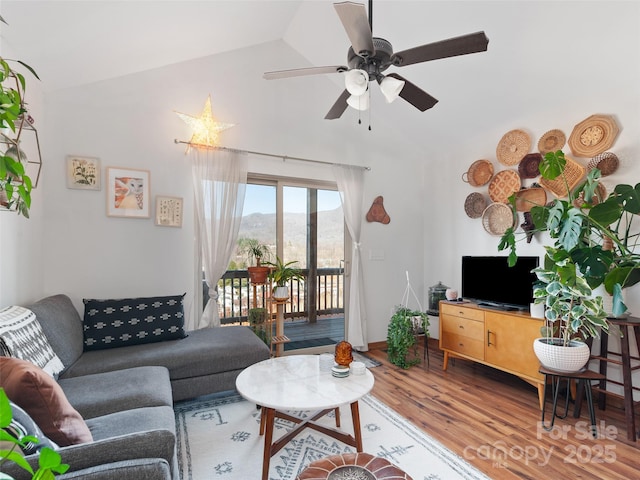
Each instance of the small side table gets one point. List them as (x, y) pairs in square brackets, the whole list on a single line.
[(630, 328), (279, 339), (584, 378)]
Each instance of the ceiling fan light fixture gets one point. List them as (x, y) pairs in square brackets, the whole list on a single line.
[(356, 81), (359, 102), (391, 88)]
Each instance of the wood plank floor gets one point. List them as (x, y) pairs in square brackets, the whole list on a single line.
[(491, 419)]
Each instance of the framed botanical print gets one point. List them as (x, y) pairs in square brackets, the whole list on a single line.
[(168, 211), (83, 173), (128, 193)]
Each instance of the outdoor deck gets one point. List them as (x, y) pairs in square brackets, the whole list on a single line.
[(328, 330)]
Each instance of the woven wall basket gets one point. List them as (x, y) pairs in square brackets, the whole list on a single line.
[(513, 146), (503, 185), (551, 141), (606, 162), (605, 124), (497, 218), (573, 171), (479, 173)]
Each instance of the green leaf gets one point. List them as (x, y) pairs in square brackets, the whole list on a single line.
[(16, 458), (554, 215), (628, 197), (33, 72), (624, 276), (571, 229), (552, 165), (594, 263), (618, 304), (14, 167), (607, 212), (5, 409), (539, 216)]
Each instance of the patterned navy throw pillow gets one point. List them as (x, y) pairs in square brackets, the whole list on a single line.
[(132, 321)]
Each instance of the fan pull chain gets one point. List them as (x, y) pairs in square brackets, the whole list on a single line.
[(369, 92)]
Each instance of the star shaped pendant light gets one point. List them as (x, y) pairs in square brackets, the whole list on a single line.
[(205, 127)]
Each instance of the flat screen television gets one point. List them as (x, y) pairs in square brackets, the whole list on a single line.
[(491, 282)]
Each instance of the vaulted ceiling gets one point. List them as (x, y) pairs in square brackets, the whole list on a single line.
[(540, 57)]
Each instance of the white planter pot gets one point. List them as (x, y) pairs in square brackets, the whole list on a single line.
[(281, 293), (554, 356)]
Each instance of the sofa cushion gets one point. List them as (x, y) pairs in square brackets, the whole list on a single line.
[(109, 392), (21, 336), (204, 352), (115, 323), (43, 399), (23, 425), (62, 324)]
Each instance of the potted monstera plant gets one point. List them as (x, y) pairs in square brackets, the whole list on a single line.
[(594, 243)]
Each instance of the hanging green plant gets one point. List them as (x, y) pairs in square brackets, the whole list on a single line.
[(15, 184), (402, 347)]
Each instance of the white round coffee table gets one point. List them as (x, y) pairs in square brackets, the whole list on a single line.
[(297, 382)]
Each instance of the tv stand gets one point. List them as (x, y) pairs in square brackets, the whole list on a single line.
[(499, 339), (497, 306)]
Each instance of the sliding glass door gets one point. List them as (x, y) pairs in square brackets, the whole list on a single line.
[(299, 221)]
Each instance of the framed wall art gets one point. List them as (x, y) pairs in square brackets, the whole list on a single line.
[(83, 173), (168, 211), (128, 193)]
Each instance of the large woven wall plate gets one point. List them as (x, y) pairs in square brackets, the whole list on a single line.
[(513, 146), (593, 135)]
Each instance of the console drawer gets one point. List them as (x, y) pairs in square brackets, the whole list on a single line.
[(461, 311), (464, 345), (463, 326)]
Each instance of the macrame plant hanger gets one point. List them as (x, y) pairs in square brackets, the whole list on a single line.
[(405, 303)]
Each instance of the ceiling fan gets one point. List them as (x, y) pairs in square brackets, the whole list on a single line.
[(369, 56)]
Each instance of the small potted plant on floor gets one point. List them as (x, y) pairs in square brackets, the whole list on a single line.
[(256, 252), (258, 322), (401, 336), (281, 274)]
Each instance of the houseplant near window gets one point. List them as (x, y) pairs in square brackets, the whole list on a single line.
[(281, 274), (15, 184), (594, 244), (256, 252), (401, 336)]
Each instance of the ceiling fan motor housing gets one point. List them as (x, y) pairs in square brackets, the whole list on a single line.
[(372, 64)]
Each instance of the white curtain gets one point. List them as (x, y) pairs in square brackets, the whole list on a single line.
[(219, 181), (350, 182)]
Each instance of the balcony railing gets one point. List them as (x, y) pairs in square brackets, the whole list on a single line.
[(236, 295)]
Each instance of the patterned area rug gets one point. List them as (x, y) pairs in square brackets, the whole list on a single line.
[(218, 437)]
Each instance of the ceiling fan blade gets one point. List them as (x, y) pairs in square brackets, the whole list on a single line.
[(354, 20), (339, 107), (471, 43), (415, 95), (299, 72)]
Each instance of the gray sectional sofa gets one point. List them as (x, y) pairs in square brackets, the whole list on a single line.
[(125, 394)]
